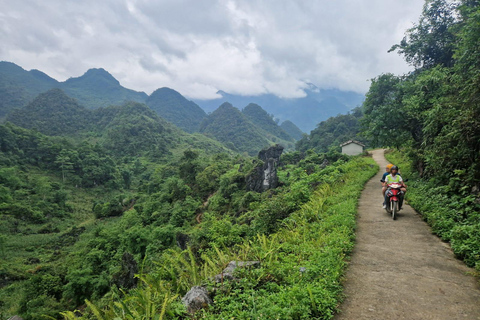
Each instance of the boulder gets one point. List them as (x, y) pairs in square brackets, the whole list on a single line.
[(195, 299)]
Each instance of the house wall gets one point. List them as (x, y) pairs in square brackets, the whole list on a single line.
[(352, 149)]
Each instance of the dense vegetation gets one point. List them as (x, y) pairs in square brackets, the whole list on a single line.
[(300, 233), (79, 216), (433, 116)]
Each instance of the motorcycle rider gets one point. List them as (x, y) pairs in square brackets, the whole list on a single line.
[(394, 177), (385, 174)]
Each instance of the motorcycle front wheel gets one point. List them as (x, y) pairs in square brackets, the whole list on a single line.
[(394, 209)]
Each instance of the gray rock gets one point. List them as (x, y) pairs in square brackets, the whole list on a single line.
[(264, 175), (15, 318), (125, 278), (227, 273), (233, 265), (196, 299)]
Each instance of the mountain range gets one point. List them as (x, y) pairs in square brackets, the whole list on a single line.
[(98, 88), (306, 112)]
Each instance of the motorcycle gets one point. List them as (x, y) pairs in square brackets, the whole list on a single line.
[(393, 199)]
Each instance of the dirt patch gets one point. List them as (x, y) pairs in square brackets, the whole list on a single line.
[(399, 270)]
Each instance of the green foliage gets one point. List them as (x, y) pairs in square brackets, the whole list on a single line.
[(431, 41)]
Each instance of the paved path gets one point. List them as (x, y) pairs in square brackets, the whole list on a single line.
[(399, 270)]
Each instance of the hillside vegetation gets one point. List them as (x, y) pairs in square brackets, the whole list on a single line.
[(79, 217)]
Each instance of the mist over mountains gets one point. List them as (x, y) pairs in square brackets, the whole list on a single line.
[(318, 105), (98, 88)]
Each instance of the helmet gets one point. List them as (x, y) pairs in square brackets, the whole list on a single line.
[(389, 166), (394, 168)]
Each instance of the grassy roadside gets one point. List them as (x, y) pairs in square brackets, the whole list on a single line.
[(302, 263), (453, 217)]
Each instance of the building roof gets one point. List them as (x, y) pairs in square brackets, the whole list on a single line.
[(352, 141)]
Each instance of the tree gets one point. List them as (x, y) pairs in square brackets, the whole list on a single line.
[(431, 41), (385, 119), (64, 163)]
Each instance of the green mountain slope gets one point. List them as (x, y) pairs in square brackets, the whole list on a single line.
[(18, 87), (172, 106), (228, 125), (98, 88), (290, 128), (264, 121), (52, 113)]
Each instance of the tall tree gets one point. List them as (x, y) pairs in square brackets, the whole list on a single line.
[(431, 41)]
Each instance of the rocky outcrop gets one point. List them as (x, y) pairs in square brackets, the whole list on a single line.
[(264, 175), (195, 299), (126, 277)]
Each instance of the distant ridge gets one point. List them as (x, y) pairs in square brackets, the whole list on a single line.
[(290, 128), (264, 121), (306, 112)]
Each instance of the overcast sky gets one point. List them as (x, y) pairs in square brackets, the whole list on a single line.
[(198, 47)]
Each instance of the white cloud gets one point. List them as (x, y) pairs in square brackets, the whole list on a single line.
[(199, 47)]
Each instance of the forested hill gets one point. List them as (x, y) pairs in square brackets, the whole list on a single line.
[(172, 106), (96, 88), (292, 130), (18, 87), (263, 120), (228, 125), (52, 113)]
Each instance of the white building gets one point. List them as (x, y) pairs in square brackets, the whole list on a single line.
[(352, 147)]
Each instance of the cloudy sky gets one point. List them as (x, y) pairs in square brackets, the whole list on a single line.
[(198, 47)]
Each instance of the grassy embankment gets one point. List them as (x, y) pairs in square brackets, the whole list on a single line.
[(302, 263)]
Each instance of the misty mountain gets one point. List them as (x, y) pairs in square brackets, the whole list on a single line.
[(290, 128), (306, 112), (172, 106)]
